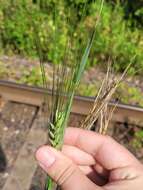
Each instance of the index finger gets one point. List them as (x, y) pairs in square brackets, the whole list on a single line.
[(104, 149)]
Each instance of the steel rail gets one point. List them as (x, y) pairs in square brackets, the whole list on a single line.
[(81, 105)]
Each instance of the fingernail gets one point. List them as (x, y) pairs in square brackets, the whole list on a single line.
[(45, 157)]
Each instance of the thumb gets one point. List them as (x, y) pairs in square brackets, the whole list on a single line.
[(62, 170)]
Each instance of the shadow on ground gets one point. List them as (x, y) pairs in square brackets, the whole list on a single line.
[(3, 161)]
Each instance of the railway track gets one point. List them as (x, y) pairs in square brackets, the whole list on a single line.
[(21, 121), (81, 105)]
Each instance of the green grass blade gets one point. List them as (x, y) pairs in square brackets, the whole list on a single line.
[(49, 184), (60, 116)]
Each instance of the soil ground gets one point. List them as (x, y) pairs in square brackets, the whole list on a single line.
[(15, 122)]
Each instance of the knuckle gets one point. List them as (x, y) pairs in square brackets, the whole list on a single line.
[(67, 171)]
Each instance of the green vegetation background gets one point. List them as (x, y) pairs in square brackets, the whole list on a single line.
[(119, 34)]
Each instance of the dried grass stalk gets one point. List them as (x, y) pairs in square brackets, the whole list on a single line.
[(100, 107)]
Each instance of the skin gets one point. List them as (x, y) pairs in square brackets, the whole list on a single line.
[(90, 161)]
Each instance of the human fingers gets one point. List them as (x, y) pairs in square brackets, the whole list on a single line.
[(104, 149), (62, 170), (87, 164), (84, 159), (91, 173), (127, 178), (78, 156)]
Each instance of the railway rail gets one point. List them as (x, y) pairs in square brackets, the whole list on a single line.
[(81, 105), (22, 112)]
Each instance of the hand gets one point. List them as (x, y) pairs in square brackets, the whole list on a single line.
[(90, 161)]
